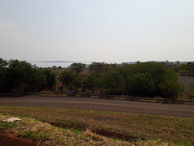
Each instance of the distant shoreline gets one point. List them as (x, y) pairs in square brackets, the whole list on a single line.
[(68, 63)]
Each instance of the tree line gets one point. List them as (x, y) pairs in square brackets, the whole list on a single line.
[(186, 69), (149, 79), (142, 79), (20, 76)]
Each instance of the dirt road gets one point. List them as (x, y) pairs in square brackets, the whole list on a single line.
[(177, 110)]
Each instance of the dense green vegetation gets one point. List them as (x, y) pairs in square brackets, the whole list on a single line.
[(92, 82), (20, 76), (71, 80), (185, 69), (77, 67), (142, 79), (101, 67), (148, 79)]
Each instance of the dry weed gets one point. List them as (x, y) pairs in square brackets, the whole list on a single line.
[(51, 135)]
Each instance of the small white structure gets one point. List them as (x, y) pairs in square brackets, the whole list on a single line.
[(10, 120)]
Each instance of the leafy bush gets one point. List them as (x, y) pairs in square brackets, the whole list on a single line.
[(25, 77), (72, 81), (93, 81), (77, 67), (101, 67), (186, 69), (21, 76), (150, 79), (4, 74), (114, 82), (170, 88), (50, 79), (140, 84)]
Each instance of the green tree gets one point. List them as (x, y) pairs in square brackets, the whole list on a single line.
[(140, 84), (77, 67), (3, 63), (101, 67), (170, 88), (25, 77), (93, 81), (59, 67), (70, 80), (50, 79), (186, 69), (4, 76), (150, 79), (114, 82)]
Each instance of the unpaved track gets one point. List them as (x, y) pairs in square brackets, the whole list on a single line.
[(176, 110)]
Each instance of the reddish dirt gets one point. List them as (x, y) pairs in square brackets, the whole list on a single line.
[(58, 85), (186, 82), (8, 139)]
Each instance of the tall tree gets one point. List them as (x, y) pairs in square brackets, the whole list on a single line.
[(25, 77), (50, 79), (4, 75), (114, 82), (93, 81), (77, 67), (70, 80)]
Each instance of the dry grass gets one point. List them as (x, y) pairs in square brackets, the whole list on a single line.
[(118, 125), (51, 135)]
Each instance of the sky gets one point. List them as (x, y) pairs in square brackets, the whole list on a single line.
[(97, 30)]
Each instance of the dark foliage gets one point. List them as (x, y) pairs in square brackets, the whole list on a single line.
[(92, 82), (77, 67), (20, 76), (70, 80), (186, 69), (101, 67), (50, 78), (150, 79)]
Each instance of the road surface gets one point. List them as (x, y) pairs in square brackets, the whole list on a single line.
[(176, 110)]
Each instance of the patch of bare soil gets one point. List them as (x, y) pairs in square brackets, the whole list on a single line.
[(9, 139), (186, 81)]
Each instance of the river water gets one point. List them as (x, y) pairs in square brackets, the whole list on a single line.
[(63, 64)]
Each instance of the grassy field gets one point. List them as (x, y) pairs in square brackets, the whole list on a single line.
[(124, 126), (42, 134)]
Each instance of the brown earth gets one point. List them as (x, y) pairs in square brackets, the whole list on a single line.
[(9, 139), (186, 81)]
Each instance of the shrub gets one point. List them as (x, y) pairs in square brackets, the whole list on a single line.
[(21, 76), (101, 67), (4, 75), (114, 82), (25, 77), (186, 69), (50, 79), (77, 67), (72, 81), (93, 81), (150, 79), (140, 84), (170, 88)]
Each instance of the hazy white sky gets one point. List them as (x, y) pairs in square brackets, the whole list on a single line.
[(97, 30)]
